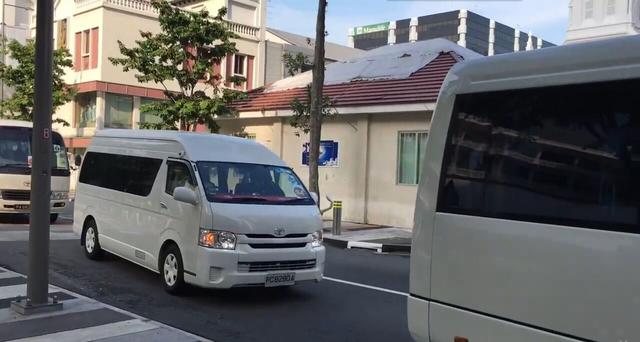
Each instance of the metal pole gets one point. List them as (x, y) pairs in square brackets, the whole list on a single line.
[(336, 229), (38, 273)]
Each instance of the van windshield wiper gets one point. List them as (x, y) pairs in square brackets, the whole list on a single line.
[(230, 198)]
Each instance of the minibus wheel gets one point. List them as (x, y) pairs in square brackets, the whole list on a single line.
[(172, 271), (53, 218), (91, 243)]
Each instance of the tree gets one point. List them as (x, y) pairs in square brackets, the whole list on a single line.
[(301, 118), (295, 64), (316, 98), (20, 77), (184, 52)]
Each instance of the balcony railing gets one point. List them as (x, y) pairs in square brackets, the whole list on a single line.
[(144, 6)]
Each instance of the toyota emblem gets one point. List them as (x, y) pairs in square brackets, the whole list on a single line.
[(279, 232)]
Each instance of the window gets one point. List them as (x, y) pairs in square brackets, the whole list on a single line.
[(85, 49), (149, 116), (118, 111), (252, 184), (85, 108), (588, 9), (178, 174), (238, 65), (410, 156), (566, 155), (250, 136), (61, 37), (130, 174), (611, 7), (86, 42)]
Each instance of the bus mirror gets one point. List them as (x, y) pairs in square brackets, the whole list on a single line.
[(78, 160)]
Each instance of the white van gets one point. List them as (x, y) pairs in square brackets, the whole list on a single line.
[(527, 221), (209, 210), (15, 170)]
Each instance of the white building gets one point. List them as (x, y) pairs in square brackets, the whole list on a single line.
[(598, 19), (14, 20)]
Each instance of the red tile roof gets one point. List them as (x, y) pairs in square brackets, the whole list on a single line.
[(422, 86)]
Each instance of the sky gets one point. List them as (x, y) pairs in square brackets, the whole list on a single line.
[(545, 18)]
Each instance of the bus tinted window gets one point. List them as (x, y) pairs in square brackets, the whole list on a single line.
[(567, 155), (130, 174)]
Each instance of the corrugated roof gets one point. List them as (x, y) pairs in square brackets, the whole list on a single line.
[(422, 86)]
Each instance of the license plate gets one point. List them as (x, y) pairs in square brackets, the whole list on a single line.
[(21, 206), (280, 279)]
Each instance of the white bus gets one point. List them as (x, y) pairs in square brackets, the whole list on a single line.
[(527, 221), (15, 170), (209, 210)]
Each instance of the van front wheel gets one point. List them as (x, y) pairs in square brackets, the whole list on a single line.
[(91, 243), (172, 272)]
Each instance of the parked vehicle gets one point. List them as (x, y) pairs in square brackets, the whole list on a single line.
[(209, 210), (15, 170), (527, 221)]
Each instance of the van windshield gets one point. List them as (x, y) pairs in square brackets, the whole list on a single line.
[(252, 184)]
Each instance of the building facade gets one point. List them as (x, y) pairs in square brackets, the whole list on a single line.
[(598, 19), (279, 42), (110, 98), (468, 29), (15, 20), (371, 152)]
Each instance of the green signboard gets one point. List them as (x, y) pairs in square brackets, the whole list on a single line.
[(371, 28)]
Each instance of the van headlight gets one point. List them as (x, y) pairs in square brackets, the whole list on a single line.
[(316, 239), (59, 195), (217, 239)]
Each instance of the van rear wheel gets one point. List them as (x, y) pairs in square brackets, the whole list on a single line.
[(91, 242), (53, 218), (172, 271)]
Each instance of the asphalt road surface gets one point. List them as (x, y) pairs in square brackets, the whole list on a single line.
[(364, 300)]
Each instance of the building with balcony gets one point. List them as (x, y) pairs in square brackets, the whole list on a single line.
[(468, 29), (110, 98), (598, 19)]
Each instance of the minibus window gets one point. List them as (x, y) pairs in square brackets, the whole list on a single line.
[(131, 174), (178, 174), (566, 155), (252, 183)]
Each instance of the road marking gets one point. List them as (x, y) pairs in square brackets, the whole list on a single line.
[(366, 286), (96, 332)]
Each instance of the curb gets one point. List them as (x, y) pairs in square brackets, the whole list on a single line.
[(379, 247)]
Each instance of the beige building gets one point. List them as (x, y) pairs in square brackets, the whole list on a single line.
[(111, 98), (598, 19), (15, 18), (372, 151)]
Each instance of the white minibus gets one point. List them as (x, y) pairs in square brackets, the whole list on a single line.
[(15, 170), (527, 221), (210, 210)]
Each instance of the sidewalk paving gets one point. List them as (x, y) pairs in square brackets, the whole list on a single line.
[(82, 319), (379, 238)]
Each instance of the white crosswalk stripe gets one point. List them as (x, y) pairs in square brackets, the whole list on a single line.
[(95, 333)]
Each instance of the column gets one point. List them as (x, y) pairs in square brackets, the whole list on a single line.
[(413, 30), (392, 33), (351, 34), (136, 113), (516, 41), (462, 29), (100, 109), (539, 42), (492, 37), (530, 42)]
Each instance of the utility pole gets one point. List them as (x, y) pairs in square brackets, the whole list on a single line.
[(37, 300)]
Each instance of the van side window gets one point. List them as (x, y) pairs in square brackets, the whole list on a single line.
[(178, 174), (130, 174), (566, 155)]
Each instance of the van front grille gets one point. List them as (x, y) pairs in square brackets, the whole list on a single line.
[(266, 266), (16, 195), (277, 245), (270, 236)]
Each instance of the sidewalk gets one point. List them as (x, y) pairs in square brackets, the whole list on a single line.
[(378, 238), (82, 319)]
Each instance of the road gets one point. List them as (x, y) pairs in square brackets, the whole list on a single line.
[(340, 309)]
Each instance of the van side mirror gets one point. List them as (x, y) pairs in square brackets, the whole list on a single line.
[(78, 160), (314, 197), (185, 195)]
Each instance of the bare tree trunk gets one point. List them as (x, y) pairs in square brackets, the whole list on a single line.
[(315, 120)]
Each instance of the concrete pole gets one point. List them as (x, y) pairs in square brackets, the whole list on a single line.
[(462, 28), (516, 41), (391, 38), (413, 29), (539, 43), (38, 273), (530, 42), (492, 37)]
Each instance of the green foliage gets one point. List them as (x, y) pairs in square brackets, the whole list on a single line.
[(295, 63), (302, 112), (184, 53), (20, 77)]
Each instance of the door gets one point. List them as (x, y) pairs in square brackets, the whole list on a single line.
[(181, 219)]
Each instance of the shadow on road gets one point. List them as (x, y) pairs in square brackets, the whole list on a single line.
[(14, 218)]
